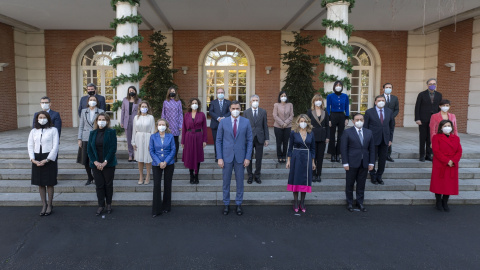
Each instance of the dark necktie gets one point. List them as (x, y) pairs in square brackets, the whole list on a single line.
[(235, 128), (221, 105), (388, 99), (381, 116), (360, 135), (255, 115)]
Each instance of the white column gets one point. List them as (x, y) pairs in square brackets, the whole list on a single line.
[(30, 74), (422, 62), (124, 9), (473, 122), (337, 11)]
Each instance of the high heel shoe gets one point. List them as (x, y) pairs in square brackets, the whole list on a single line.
[(295, 207), (147, 181), (140, 182), (303, 208), (109, 209), (51, 211), (43, 211), (99, 211)]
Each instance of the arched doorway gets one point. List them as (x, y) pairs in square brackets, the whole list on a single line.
[(95, 68), (362, 78)]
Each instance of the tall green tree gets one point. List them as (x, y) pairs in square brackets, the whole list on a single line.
[(299, 80), (159, 74)]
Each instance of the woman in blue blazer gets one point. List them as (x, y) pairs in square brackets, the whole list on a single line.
[(162, 150), (102, 146)]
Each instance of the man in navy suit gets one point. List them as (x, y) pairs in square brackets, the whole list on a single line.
[(358, 157), (219, 109), (92, 91), (54, 116), (234, 151), (380, 121)]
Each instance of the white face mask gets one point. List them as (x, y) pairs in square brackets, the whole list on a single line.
[(162, 128), (92, 103), (388, 91), (338, 88), (42, 121), (318, 103), (235, 113), (45, 106), (380, 104), (220, 96), (283, 99), (255, 104), (447, 130), (445, 108), (144, 110), (303, 125), (102, 123), (194, 106), (359, 124)]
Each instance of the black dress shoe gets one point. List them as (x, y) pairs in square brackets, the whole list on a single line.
[(319, 179), (226, 210), (428, 158), (373, 179), (88, 182), (239, 210), (314, 178), (350, 207), (380, 181), (389, 158), (250, 180), (332, 159), (192, 179), (422, 159), (196, 179), (258, 180), (337, 158), (109, 209), (362, 208)]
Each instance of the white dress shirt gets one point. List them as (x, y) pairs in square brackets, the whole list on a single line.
[(233, 121), (47, 138)]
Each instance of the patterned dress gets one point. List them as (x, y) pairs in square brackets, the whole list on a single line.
[(173, 113)]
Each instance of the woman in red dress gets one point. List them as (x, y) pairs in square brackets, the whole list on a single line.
[(194, 138), (447, 152)]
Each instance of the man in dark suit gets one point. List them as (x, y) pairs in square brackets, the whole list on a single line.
[(218, 110), (428, 103), (380, 121), (358, 157), (258, 121), (391, 103), (54, 116), (234, 145), (92, 90)]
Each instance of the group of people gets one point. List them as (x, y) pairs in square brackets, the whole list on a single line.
[(301, 143)]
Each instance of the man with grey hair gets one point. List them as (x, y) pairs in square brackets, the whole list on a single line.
[(92, 91), (428, 102), (258, 120)]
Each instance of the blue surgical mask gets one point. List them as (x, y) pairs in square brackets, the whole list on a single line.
[(388, 91), (220, 96)]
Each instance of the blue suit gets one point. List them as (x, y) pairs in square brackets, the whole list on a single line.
[(56, 120), (162, 152), (233, 151), (215, 112)]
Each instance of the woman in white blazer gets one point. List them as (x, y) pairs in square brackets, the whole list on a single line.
[(87, 121), (43, 149)]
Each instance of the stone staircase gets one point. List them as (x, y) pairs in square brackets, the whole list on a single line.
[(406, 182)]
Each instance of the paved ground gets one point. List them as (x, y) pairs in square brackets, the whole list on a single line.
[(271, 237), (405, 141)]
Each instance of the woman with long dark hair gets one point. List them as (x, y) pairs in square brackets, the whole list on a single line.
[(129, 111), (143, 128), (283, 115), (42, 149), (172, 111), (339, 112)]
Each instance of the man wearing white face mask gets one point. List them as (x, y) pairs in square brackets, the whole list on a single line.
[(259, 123), (218, 110), (392, 103), (55, 116), (380, 121)]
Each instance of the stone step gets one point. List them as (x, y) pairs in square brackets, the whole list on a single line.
[(250, 198), (216, 174), (327, 185), (210, 164)]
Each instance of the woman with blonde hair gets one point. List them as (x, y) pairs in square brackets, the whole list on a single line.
[(301, 160), (321, 132), (143, 128)]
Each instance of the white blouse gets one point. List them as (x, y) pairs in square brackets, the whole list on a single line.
[(47, 138)]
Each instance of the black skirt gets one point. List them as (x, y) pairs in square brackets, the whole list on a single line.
[(45, 175), (82, 156)]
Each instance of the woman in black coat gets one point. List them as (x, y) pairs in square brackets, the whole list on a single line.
[(321, 132)]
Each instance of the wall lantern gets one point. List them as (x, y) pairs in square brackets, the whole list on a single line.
[(451, 66), (2, 65), (268, 69), (184, 70)]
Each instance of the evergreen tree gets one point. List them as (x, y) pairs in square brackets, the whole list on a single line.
[(160, 75), (299, 79)]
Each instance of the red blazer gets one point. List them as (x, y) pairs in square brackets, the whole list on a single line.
[(435, 121), (445, 178)]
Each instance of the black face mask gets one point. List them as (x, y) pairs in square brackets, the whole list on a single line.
[(132, 94), (172, 94), (91, 93)]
